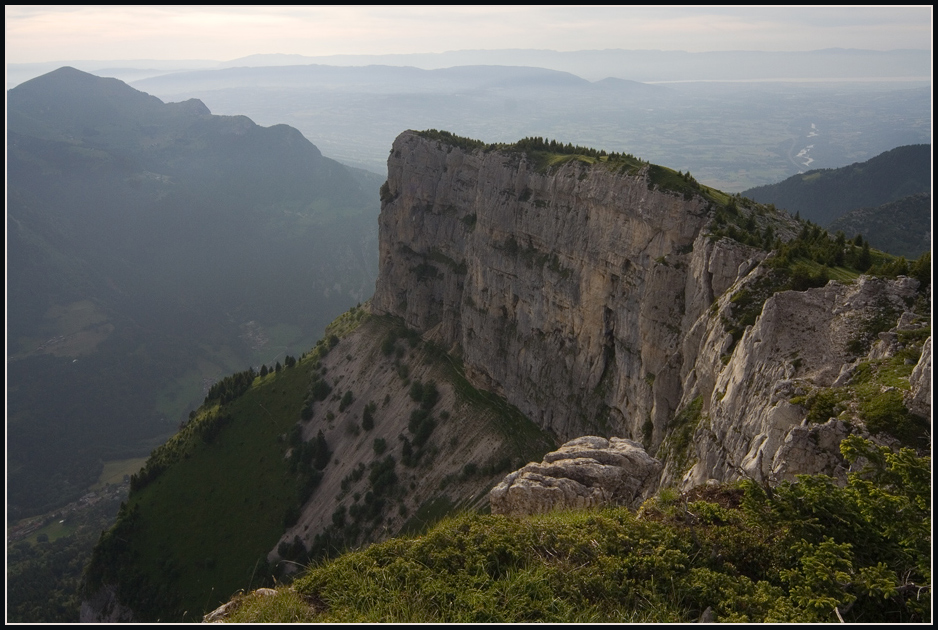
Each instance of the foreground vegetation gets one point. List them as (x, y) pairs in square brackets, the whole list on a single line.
[(807, 551)]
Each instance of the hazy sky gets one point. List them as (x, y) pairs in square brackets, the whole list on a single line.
[(42, 33)]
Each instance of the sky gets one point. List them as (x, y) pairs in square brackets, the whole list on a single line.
[(46, 33)]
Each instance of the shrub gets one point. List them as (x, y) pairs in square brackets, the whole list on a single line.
[(321, 453), (886, 413), (368, 417), (823, 405), (346, 401), (319, 390), (382, 476)]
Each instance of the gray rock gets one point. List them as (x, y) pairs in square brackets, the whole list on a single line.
[(918, 400), (588, 278), (707, 616), (583, 473), (800, 342)]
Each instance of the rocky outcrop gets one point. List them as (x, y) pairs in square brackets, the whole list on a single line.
[(802, 341), (586, 472)]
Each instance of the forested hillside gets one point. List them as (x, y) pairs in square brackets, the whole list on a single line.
[(824, 195), (902, 227)]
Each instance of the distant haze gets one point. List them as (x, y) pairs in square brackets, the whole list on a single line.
[(651, 66), (43, 34)]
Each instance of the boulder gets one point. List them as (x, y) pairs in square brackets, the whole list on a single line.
[(586, 472)]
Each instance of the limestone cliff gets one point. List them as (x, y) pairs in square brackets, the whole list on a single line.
[(565, 291), (599, 304)]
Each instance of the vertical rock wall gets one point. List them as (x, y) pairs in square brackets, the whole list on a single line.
[(568, 293)]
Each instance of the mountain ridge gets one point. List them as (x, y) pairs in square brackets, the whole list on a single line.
[(588, 294), (901, 227)]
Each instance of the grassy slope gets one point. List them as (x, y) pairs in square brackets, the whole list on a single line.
[(201, 530), (230, 495)]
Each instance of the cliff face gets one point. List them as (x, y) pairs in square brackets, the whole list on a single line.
[(599, 306), (555, 288)]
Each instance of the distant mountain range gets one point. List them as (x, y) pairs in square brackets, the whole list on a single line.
[(385, 78), (637, 65), (735, 119), (729, 135), (152, 248)]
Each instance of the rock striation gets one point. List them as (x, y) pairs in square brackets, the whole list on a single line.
[(586, 472)]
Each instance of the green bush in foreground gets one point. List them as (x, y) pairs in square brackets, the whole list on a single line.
[(807, 551)]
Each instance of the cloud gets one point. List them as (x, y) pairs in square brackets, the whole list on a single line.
[(161, 32)]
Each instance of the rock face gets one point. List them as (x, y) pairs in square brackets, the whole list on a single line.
[(565, 292), (800, 342), (919, 400), (586, 472), (104, 607), (601, 305)]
